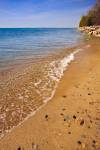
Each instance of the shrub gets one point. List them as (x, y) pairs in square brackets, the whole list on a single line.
[(92, 17)]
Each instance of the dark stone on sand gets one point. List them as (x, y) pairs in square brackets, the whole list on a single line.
[(93, 145), (82, 122), (64, 96), (63, 109), (74, 117), (98, 119), (69, 132), (89, 93), (61, 114), (89, 127), (91, 103), (46, 116), (19, 148), (64, 119), (79, 142), (94, 141)]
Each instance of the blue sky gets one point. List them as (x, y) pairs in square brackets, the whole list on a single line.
[(42, 13)]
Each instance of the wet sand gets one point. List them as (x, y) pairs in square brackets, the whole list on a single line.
[(71, 120)]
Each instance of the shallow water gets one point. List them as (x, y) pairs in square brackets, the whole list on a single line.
[(17, 44), (43, 59)]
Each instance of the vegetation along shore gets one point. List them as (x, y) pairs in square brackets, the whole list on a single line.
[(90, 23)]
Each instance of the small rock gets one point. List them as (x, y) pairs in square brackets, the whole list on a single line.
[(46, 116), (66, 118), (93, 145), (19, 148), (89, 93), (64, 109), (74, 117), (79, 142), (94, 141), (69, 132), (89, 127), (64, 96), (82, 122), (61, 114)]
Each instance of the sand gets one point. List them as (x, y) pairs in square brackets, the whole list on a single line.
[(71, 120)]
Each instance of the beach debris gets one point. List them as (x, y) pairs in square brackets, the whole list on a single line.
[(74, 117), (91, 121), (61, 114), (69, 132), (19, 148), (63, 109), (82, 122), (64, 96), (66, 118), (89, 127), (76, 86), (89, 93), (91, 103), (98, 119), (79, 142), (94, 142), (46, 117)]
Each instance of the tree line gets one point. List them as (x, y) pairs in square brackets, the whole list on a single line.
[(92, 17)]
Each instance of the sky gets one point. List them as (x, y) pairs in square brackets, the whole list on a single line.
[(42, 13)]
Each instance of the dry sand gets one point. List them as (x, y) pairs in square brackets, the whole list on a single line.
[(71, 120)]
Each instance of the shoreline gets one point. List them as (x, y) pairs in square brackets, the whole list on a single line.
[(65, 65), (91, 30), (56, 126)]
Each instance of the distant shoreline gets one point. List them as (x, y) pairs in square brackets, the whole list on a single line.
[(91, 30)]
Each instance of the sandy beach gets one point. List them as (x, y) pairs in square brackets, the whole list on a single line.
[(71, 120)]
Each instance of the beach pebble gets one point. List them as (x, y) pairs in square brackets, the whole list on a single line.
[(64, 96), (61, 114), (19, 148), (89, 93), (46, 116), (79, 142), (66, 118), (82, 122), (89, 127), (74, 117), (94, 141), (69, 132), (63, 109)]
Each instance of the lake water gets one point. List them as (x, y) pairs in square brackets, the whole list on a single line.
[(46, 56)]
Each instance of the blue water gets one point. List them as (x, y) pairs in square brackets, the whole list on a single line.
[(25, 90), (16, 43)]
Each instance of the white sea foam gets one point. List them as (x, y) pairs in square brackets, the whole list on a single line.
[(57, 70), (58, 67)]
